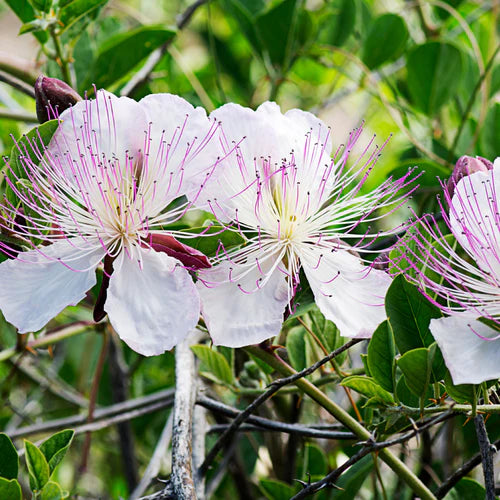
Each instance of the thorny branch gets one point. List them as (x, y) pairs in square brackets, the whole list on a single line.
[(487, 452), (274, 387)]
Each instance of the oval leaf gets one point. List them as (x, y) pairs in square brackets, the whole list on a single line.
[(55, 447), (416, 366), (385, 41), (368, 388), (409, 314), (76, 9), (214, 362), (381, 353), (432, 75), (38, 467), (122, 52), (10, 490), (52, 491), (9, 461)]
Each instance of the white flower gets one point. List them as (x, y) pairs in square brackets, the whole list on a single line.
[(297, 208), (103, 190), (464, 281)]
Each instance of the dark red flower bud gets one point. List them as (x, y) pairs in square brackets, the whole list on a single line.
[(466, 165), (53, 96), (190, 257)]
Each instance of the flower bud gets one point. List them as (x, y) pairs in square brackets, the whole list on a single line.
[(466, 165), (53, 96)]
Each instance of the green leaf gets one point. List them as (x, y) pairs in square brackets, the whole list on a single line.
[(327, 332), (432, 75), (38, 467), (385, 41), (276, 490), (122, 52), (24, 11), (75, 10), (352, 480), (368, 388), (463, 393), (55, 447), (42, 5), (26, 149), (409, 314), (297, 347), (381, 356), (277, 32), (416, 366), (466, 489), (52, 491), (210, 244), (10, 490), (315, 461), (490, 132), (339, 23), (9, 461), (214, 362)]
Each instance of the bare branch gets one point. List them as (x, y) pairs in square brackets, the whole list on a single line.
[(487, 452), (103, 417), (17, 84), (260, 423)]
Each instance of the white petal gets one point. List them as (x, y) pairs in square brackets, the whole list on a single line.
[(265, 134), (194, 145), (154, 308), (474, 217), (106, 127), (496, 163), (347, 293), (36, 288), (235, 318), (470, 359)]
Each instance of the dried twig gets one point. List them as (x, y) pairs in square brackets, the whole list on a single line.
[(17, 84), (260, 423), (103, 417), (487, 452)]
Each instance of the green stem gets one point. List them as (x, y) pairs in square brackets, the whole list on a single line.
[(411, 411), (20, 116), (62, 61), (342, 416), (62, 334)]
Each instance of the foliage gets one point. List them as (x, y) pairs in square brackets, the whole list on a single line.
[(425, 72)]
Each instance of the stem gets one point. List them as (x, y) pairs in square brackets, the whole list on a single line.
[(70, 331), (93, 398), (486, 457), (19, 116), (60, 59), (342, 416)]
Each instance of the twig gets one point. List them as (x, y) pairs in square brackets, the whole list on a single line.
[(93, 398), (185, 395), (17, 84), (342, 416), (118, 378), (107, 416), (61, 334), (143, 74), (487, 452), (274, 387), (260, 423), (461, 472), (153, 467), (369, 446), (20, 116), (199, 434)]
